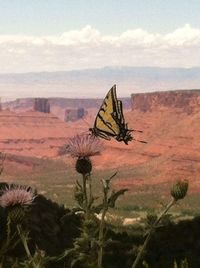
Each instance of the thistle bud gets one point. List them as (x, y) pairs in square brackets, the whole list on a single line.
[(179, 190), (83, 165), (16, 214)]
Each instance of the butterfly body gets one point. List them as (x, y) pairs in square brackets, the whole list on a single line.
[(110, 122), (124, 135)]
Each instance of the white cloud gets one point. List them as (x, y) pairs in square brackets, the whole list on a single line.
[(88, 48)]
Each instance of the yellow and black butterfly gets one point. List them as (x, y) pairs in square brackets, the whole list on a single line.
[(110, 120)]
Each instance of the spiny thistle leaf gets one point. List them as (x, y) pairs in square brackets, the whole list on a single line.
[(114, 196), (78, 185)]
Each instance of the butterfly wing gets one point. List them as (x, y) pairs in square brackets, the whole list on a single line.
[(124, 133), (105, 124), (120, 115), (110, 120)]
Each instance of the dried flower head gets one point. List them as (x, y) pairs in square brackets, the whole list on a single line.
[(85, 145), (16, 195)]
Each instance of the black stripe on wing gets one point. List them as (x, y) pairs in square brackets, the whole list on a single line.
[(107, 124)]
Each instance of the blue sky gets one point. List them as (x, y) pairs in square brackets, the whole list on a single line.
[(39, 17), (53, 35)]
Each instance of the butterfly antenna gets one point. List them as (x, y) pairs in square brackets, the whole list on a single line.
[(140, 141), (137, 130)]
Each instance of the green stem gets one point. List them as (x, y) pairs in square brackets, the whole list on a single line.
[(85, 193), (90, 190), (24, 241), (101, 228), (23, 238), (141, 252)]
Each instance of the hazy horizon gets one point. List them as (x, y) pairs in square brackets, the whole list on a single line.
[(94, 83)]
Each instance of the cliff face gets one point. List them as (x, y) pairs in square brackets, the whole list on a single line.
[(170, 124), (42, 105), (186, 100)]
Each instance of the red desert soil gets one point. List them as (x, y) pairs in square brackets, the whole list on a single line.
[(172, 150)]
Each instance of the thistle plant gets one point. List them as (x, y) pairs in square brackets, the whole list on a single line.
[(14, 200), (178, 192), (88, 248), (82, 147)]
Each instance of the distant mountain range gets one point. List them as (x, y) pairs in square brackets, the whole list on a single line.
[(94, 83)]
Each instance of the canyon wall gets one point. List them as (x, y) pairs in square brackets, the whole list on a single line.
[(41, 105), (187, 101)]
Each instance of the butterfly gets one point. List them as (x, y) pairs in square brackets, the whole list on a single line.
[(110, 122)]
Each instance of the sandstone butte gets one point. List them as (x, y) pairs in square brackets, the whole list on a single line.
[(170, 122)]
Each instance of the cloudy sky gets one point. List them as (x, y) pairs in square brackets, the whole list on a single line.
[(52, 35)]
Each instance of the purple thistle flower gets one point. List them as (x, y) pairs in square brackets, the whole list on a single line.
[(17, 195), (84, 146)]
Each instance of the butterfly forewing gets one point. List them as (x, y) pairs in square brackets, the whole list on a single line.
[(105, 121)]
